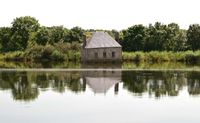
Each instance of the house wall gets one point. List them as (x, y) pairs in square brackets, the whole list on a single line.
[(89, 54)]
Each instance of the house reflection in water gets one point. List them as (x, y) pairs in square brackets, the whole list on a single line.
[(102, 81)]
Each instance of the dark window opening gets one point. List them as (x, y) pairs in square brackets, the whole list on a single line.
[(96, 55), (104, 54), (113, 54)]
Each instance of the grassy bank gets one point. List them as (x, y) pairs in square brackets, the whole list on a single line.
[(57, 53), (164, 56)]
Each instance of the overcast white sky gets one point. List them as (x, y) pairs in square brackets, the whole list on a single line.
[(102, 14)]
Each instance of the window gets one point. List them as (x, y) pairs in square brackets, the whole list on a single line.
[(113, 54), (96, 55), (104, 54)]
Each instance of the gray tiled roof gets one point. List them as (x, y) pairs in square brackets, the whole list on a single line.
[(101, 39)]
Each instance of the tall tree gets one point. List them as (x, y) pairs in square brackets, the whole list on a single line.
[(42, 36), (193, 36), (57, 34), (22, 28), (134, 38), (156, 37), (76, 34), (175, 39), (5, 34)]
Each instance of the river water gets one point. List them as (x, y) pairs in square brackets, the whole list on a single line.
[(99, 96)]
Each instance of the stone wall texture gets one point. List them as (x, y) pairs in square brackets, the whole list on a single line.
[(101, 54)]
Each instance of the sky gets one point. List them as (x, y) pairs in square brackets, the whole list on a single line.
[(102, 14)]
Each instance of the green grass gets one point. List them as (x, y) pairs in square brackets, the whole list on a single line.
[(51, 53), (164, 56)]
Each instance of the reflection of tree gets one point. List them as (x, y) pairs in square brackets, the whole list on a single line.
[(158, 83), (193, 83), (7, 79), (22, 89), (58, 84), (167, 83), (42, 80), (134, 82), (24, 85), (74, 84)]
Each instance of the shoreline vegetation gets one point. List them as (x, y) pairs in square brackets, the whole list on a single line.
[(14, 65), (27, 41), (50, 53)]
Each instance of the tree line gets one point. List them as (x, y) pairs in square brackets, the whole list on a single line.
[(26, 32), (161, 37)]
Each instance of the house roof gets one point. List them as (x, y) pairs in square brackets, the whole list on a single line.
[(102, 84), (101, 39)]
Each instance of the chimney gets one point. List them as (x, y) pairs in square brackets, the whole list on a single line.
[(84, 41)]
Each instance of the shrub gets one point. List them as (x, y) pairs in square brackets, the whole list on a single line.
[(139, 56), (35, 52), (47, 52), (15, 56), (62, 47), (57, 56)]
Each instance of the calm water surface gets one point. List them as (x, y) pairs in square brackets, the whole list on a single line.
[(99, 96)]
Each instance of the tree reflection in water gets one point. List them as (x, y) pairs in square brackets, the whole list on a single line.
[(27, 85), (157, 83)]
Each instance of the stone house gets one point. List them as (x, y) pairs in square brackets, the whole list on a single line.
[(101, 47)]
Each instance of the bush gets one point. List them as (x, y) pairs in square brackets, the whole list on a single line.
[(190, 56), (47, 52), (57, 56), (57, 52), (139, 56), (14, 56), (35, 52), (62, 47)]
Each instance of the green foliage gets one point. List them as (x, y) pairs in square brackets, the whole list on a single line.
[(56, 52), (22, 28), (157, 37), (5, 34), (76, 34), (14, 56), (57, 33), (57, 56), (35, 52), (164, 56), (47, 52), (57, 42), (42, 36), (193, 36), (134, 38)]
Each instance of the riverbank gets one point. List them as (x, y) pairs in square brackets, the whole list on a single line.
[(99, 66), (51, 54), (58, 52), (162, 56)]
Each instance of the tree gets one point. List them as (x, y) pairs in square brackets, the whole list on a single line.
[(76, 34), (156, 37), (42, 36), (115, 34), (22, 28), (57, 33), (176, 38), (5, 34), (193, 36), (134, 38)]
